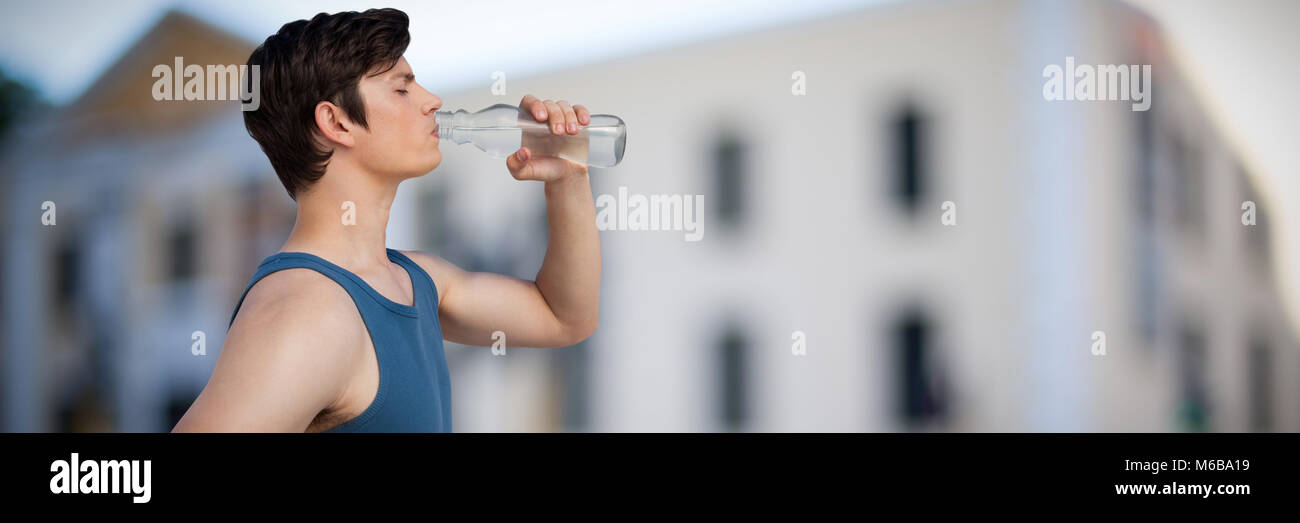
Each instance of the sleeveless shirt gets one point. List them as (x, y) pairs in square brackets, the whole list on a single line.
[(414, 384)]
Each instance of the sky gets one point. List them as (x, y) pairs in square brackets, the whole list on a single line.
[(470, 39), (1240, 56)]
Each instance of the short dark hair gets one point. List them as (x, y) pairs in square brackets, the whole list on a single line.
[(308, 62)]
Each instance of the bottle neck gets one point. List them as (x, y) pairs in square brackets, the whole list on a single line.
[(448, 122)]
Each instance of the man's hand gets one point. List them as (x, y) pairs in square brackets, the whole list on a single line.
[(563, 119)]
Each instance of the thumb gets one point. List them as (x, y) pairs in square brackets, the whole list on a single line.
[(518, 164)]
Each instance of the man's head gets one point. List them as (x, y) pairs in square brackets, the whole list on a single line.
[(336, 89)]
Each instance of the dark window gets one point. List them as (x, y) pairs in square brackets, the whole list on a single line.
[(575, 383), (1261, 387), (920, 396), (182, 245), (733, 395), (1194, 408), (729, 172), (67, 276), (910, 158)]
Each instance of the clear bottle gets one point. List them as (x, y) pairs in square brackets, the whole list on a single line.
[(502, 129)]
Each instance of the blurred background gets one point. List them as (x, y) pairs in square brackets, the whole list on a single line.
[(826, 139)]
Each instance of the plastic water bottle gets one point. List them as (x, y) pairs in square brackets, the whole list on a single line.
[(502, 129)]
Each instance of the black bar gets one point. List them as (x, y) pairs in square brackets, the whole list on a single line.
[(906, 470)]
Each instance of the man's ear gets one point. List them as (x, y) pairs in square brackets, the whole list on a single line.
[(334, 125)]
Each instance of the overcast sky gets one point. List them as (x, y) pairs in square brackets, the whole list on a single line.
[(469, 39)]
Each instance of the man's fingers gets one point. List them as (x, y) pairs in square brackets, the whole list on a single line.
[(570, 118), (532, 105), (557, 116)]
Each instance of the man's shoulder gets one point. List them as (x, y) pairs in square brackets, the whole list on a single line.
[(443, 272), (288, 355), (297, 297), (423, 259)]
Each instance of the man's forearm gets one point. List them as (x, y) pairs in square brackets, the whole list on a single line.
[(569, 279)]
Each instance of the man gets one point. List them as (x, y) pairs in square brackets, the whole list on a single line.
[(336, 332)]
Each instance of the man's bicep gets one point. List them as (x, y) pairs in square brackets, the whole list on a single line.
[(476, 304), (278, 369), (489, 303)]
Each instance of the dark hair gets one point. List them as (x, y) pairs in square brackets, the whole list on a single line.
[(308, 62)]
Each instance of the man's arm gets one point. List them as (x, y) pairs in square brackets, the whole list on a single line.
[(558, 309), (285, 359)]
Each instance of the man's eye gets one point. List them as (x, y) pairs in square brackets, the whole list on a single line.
[(403, 91)]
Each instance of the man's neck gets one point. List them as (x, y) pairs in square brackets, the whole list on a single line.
[(343, 218)]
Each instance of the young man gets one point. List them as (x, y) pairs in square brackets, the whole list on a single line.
[(336, 332)]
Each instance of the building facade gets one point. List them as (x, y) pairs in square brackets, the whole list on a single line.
[(899, 233)]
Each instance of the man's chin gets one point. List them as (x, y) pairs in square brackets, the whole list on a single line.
[(426, 169)]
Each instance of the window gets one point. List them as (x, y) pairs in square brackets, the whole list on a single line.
[(729, 184), (910, 151), (182, 247), (67, 274), (1194, 408), (1261, 387), (1146, 250), (920, 395), (733, 393), (574, 383)]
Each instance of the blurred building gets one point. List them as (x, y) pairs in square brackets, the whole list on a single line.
[(1075, 222), (821, 225), (162, 210)]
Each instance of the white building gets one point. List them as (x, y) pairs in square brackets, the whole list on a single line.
[(1075, 221), (821, 225), (162, 212)]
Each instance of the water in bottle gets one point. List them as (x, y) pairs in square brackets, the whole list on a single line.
[(502, 129)]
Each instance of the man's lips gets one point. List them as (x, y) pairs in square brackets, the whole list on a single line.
[(435, 130)]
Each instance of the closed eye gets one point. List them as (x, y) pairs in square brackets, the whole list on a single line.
[(403, 91)]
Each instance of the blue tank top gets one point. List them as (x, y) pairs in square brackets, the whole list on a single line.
[(414, 384)]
